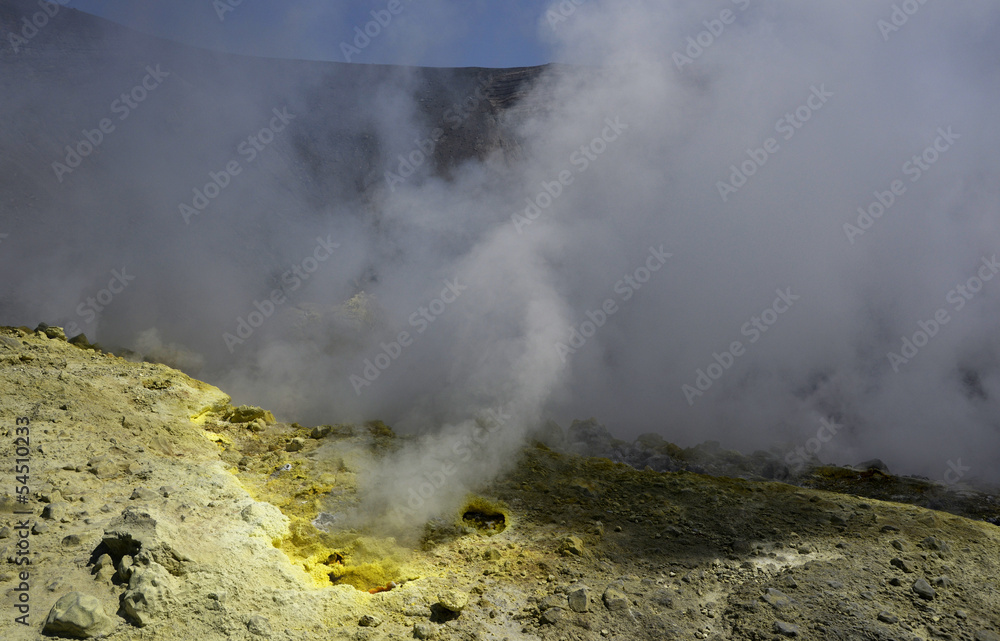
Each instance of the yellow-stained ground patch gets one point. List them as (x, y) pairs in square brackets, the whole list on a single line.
[(485, 516), (345, 558)]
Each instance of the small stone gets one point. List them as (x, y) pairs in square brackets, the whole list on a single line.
[(259, 626), (103, 467), (552, 601), (143, 494), (54, 511), (615, 599), (887, 617), (78, 615), (453, 600), (551, 616), (50, 496), (125, 568), (786, 629), (778, 599), (369, 621), (56, 333), (320, 431), (71, 540), (166, 491), (102, 562), (889, 528), (571, 545), (247, 414), (895, 581), (579, 599), (492, 554), (423, 631), (942, 581), (297, 444), (931, 543), (903, 565), (923, 589), (40, 528), (896, 543), (805, 549), (986, 635), (5, 532)]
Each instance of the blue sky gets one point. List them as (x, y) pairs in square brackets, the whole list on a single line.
[(452, 33)]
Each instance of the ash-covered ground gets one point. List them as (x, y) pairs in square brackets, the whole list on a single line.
[(157, 510)]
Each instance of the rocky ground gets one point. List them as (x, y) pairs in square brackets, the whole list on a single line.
[(159, 511)]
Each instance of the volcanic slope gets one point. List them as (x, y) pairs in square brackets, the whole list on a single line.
[(160, 511)]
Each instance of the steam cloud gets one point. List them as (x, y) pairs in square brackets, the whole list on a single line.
[(738, 138)]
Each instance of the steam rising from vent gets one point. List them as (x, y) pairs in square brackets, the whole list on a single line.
[(737, 239)]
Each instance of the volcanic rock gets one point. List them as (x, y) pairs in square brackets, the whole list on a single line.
[(78, 615)]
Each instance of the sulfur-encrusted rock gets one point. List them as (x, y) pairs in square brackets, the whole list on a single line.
[(369, 621), (149, 594), (78, 615), (266, 519), (259, 626), (51, 331), (247, 414), (453, 600), (571, 545)]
